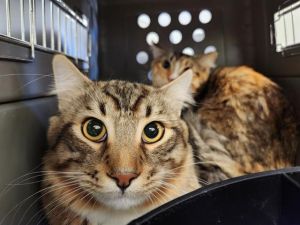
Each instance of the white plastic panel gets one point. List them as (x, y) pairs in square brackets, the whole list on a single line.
[(287, 27)]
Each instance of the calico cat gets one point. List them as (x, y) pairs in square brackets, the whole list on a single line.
[(247, 109), (116, 149)]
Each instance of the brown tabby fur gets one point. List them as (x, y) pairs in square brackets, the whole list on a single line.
[(77, 185), (240, 104)]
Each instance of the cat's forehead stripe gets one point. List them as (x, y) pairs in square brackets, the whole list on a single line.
[(102, 108), (126, 96), (137, 103), (148, 111), (139, 99), (114, 98)]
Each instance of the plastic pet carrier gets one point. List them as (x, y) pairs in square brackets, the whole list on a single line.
[(109, 39)]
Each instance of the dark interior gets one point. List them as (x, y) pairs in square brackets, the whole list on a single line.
[(241, 31)]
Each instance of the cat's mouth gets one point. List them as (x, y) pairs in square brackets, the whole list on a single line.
[(121, 200)]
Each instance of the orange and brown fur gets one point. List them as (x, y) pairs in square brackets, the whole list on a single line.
[(121, 174), (241, 105)]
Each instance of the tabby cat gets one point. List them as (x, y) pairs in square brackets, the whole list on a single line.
[(244, 107), (116, 149)]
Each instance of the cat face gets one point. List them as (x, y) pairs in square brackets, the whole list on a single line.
[(121, 144), (167, 66)]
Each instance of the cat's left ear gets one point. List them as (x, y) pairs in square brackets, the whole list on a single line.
[(208, 60), (179, 90), (157, 51), (69, 81)]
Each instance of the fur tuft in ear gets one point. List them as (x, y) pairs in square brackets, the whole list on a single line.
[(208, 60), (156, 51), (179, 90), (69, 81)]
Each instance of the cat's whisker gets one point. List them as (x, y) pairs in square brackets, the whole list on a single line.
[(9, 186), (68, 181), (91, 197), (22, 74), (41, 173), (6, 188), (150, 199), (172, 174), (39, 181), (160, 194), (60, 186), (171, 190), (34, 202), (163, 195), (62, 201), (168, 186), (34, 80), (154, 194)]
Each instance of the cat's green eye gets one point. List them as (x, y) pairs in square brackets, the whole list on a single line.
[(153, 132), (94, 130)]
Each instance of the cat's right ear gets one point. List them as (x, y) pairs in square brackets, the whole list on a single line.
[(69, 81), (157, 51), (208, 60)]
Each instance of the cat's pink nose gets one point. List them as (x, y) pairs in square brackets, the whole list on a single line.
[(123, 180)]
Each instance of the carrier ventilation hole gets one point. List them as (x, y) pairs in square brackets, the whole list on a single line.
[(185, 18), (198, 35), (205, 16), (142, 57), (175, 37), (164, 19), (188, 51), (143, 21), (209, 49), (149, 75), (152, 38)]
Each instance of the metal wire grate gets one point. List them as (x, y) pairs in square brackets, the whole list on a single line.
[(48, 25), (287, 28)]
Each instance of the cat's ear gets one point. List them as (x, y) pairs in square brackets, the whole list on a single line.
[(69, 81), (157, 51), (208, 60), (179, 90)]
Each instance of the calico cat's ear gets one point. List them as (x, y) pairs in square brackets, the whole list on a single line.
[(208, 60), (157, 51), (179, 90), (69, 81)]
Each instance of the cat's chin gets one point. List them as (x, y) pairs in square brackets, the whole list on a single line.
[(119, 201)]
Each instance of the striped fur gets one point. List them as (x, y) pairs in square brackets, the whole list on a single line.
[(166, 168), (241, 115)]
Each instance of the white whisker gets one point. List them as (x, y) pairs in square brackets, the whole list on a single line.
[(34, 202), (61, 202), (60, 186)]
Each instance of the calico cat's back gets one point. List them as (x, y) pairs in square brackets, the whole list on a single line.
[(242, 105), (252, 112)]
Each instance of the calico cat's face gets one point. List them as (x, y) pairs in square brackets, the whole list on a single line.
[(167, 66), (125, 142)]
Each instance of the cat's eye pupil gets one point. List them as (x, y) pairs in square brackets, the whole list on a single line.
[(151, 130), (94, 128), (166, 64)]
